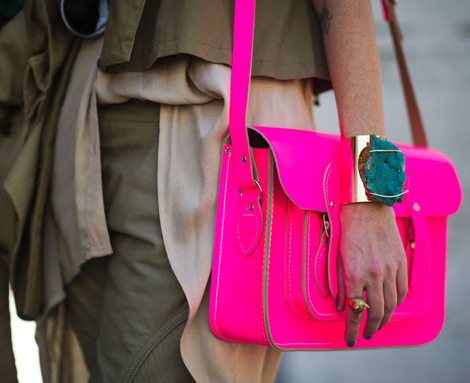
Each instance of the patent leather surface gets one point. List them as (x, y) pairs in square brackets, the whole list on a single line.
[(281, 292), (274, 275)]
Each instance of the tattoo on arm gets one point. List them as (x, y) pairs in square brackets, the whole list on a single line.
[(325, 20)]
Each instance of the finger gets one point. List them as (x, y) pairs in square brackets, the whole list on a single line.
[(340, 296), (390, 299), (375, 314), (402, 282), (353, 323)]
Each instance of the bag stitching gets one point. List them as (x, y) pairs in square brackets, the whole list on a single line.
[(219, 267), (317, 266), (332, 246), (322, 245), (289, 211), (263, 328), (270, 241), (254, 237), (220, 259), (308, 273), (269, 264)]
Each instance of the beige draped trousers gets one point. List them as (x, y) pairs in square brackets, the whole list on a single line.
[(194, 97)]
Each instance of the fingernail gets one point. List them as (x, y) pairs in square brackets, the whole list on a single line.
[(368, 337), (380, 327), (351, 343)]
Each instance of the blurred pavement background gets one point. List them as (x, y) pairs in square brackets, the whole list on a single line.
[(437, 43)]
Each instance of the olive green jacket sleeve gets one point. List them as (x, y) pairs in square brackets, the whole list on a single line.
[(288, 42), (14, 52), (46, 70)]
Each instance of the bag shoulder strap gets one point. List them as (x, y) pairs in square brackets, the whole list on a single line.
[(414, 115), (243, 31), (240, 85)]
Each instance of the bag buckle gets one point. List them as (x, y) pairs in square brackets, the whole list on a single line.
[(260, 191)]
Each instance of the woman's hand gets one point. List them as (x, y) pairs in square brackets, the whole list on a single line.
[(372, 259)]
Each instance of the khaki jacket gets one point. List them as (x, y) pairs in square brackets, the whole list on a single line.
[(13, 57), (41, 71), (287, 43)]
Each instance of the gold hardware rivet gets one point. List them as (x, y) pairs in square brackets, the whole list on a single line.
[(413, 245), (416, 207), (332, 204), (228, 151), (243, 159)]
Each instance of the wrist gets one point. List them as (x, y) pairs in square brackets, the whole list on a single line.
[(372, 170), (357, 215)]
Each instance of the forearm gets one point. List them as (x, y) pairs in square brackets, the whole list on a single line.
[(354, 64), (372, 255)]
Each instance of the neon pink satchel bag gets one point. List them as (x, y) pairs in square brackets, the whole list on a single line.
[(274, 274)]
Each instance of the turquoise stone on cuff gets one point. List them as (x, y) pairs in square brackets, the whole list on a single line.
[(384, 172)]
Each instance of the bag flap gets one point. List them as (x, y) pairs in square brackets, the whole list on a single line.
[(432, 180), (302, 158)]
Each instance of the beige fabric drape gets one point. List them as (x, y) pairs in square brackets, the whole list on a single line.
[(194, 97)]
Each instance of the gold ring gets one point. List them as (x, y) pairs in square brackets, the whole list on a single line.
[(358, 304)]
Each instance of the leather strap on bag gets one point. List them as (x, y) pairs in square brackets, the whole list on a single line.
[(240, 85), (416, 123), (243, 32)]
